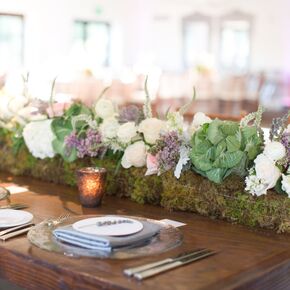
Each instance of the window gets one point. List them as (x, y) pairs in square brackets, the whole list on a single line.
[(93, 40), (196, 36), (235, 43), (11, 41)]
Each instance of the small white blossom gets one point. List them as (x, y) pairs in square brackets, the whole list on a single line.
[(109, 128), (175, 121), (255, 185)]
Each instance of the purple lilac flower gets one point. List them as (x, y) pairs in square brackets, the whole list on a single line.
[(285, 140), (130, 113), (167, 150), (90, 145)]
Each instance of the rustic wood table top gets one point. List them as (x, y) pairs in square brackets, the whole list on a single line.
[(247, 258)]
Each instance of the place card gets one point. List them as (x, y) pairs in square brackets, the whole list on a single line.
[(173, 223), (16, 189)]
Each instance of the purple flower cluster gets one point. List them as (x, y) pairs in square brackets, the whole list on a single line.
[(285, 140), (90, 145), (130, 113), (167, 150)]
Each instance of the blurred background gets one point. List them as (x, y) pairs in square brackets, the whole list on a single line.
[(235, 52)]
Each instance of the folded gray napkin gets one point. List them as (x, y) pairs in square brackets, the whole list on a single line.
[(106, 243)]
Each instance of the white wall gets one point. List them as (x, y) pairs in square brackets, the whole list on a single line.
[(145, 30)]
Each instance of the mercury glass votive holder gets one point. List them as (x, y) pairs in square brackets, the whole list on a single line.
[(91, 184)]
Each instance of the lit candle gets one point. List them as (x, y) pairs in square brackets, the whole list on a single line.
[(91, 183)]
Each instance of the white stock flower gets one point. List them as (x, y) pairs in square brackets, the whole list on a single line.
[(105, 109), (151, 129), (134, 155), (198, 120), (274, 151), (267, 170), (38, 138), (109, 128), (286, 184), (255, 185), (127, 132)]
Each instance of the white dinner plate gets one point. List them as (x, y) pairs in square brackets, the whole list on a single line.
[(108, 226), (13, 218)]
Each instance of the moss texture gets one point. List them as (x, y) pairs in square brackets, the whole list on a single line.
[(191, 192)]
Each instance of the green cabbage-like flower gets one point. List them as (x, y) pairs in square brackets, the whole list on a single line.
[(222, 148)]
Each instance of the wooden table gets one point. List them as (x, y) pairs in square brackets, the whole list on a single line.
[(247, 259)]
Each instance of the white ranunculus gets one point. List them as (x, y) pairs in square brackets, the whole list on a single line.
[(267, 170), (151, 129), (198, 120), (286, 183), (127, 132), (38, 138), (134, 155), (275, 151), (109, 128), (105, 109)]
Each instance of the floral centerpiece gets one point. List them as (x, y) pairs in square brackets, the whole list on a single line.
[(219, 168)]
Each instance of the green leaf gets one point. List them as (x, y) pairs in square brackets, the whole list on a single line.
[(230, 127), (228, 159), (60, 148), (216, 175), (201, 162), (233, 144), (248, 132), (201, 147), (77, 109), (61, 128), (214, 134), (241, 168)]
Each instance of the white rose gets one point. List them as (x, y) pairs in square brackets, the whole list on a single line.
[(267, 170), (134, 155), (105, 109), (38, 138), (275, 151), (127, 132), (151, 129), (286, 183), (109, 128), (198, 120)]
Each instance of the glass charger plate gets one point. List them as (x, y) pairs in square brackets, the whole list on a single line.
[(167, 239)]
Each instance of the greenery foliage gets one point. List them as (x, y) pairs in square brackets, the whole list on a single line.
[(222, 148)]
